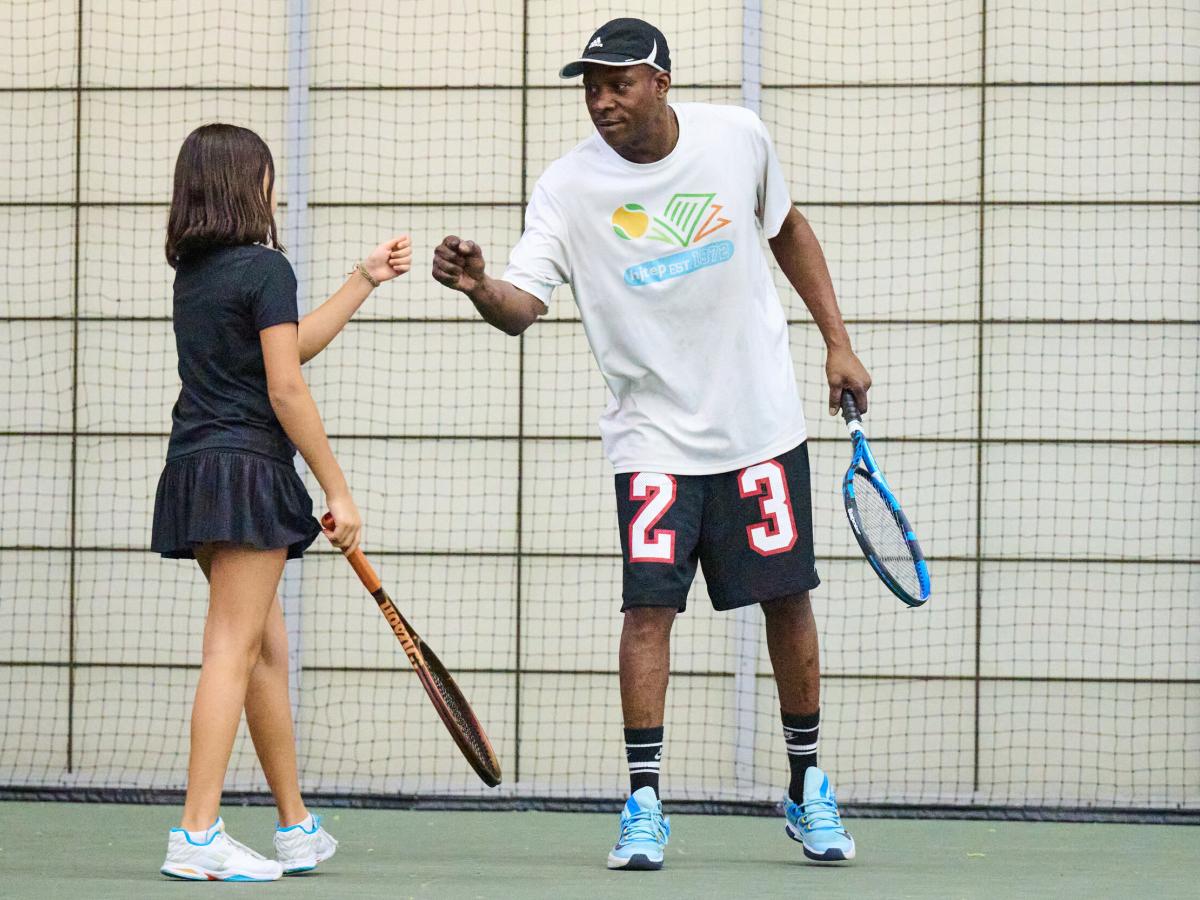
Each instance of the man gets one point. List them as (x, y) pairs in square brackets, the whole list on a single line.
[(655, 223)]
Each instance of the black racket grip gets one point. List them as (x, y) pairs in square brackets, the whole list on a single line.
[(849, 408)]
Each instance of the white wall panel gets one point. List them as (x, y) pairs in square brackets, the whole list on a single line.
[(34, 612), (394, 379), (161, 43), (36, 370), (1108, 143), (33, 721), (116, 481), (38, 43), (37, 482), (860, 145), (900, 262), (1089, 744), (569, 501), (380, 42), (1084, 262), (33, 237), (564, 390), (429, 495), (1101, 501), (381, 147), (830, 42), (128, 376), (1091, 381), (1092, 40), (1090, 621), (37, 132), (113, 703), (161, 623)]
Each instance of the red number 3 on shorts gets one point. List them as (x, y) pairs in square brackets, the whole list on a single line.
[(776, 533)]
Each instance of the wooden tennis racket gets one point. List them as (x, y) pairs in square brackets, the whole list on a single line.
[(445, 695)]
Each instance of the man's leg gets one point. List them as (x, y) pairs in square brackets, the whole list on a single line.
[(795, 659), (795, 656), (644, 664), (659, 517), (812, 811)]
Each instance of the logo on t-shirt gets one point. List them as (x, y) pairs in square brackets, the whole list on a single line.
[(680, 223), (686, 220)]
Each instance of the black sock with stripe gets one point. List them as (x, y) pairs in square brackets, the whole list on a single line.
[(800, 734), (643, 751)]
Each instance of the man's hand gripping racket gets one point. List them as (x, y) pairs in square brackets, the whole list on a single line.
[(883, 531), (447, 699)]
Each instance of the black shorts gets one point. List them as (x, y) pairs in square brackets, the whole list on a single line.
[(751, 530)]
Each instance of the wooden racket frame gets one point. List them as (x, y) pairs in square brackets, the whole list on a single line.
[(425, 661)]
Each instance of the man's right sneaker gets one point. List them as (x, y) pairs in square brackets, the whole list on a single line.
[(215, 856), (644, 833), (298, 848), (816, 822)]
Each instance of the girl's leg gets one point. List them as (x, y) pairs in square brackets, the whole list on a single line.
[(269, 715), (242, 585)]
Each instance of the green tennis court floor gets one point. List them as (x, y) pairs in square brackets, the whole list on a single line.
[(85, 851)]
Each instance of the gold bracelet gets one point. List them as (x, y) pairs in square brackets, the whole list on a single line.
[(362, 270)]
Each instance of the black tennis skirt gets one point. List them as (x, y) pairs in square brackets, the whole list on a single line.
[(231, 496)]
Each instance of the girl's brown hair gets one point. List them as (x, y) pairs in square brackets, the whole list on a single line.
[(219, 198)]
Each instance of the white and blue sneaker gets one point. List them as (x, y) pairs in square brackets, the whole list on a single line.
[(816, 822), (644, 833), (298, 848), (213, 855)]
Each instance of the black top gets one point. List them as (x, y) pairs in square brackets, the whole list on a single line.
[(223, 299)]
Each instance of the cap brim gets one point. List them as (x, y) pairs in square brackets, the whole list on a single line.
[(576, 67)]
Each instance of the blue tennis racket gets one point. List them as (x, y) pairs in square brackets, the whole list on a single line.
[(883, 531)]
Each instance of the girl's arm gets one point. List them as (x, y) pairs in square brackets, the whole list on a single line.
[(297, 413), (389, 260)]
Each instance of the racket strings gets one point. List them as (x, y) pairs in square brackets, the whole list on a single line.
[(465, 722), (885, 534)]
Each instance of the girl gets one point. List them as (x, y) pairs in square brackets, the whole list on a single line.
[(229, 496)]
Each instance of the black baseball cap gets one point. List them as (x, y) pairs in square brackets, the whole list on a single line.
[(623, 42)]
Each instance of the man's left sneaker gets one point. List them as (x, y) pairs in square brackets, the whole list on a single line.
[(644, 833), (816, 823), (299, 848)]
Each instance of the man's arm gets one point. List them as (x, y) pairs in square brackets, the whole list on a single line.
[(799, 255), (458, 264)]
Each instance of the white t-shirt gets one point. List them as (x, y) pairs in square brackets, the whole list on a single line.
[(675, 293)]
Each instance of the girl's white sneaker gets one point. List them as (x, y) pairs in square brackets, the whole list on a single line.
[(213, 855), (298, 848)]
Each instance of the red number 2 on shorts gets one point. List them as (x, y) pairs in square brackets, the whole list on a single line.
[(777, 532), (658, 490)]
